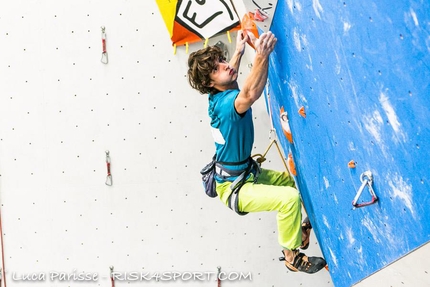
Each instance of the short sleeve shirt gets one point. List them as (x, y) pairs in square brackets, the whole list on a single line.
[(233, 133)]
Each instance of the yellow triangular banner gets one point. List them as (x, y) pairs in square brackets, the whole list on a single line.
[(168, 11)]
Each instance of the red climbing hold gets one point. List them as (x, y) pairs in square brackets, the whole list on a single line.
[(291, 165), (302, 112), (259, 15)]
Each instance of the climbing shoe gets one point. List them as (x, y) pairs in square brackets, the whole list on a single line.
[(303, 263)]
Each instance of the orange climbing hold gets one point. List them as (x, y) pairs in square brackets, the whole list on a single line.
[(351, 164), (291, 165), (286, 126), (248, 25), (302, 112)]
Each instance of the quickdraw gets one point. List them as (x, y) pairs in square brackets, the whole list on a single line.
[(109, 175), (104, 58), (366, 179), (111, 276)]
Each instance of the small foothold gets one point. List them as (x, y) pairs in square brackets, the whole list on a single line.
[(291, 165), (351, 164), (302, 112)]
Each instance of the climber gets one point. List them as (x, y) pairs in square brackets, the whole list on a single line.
[(233, 132)]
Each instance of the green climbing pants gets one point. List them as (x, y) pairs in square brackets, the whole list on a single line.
[(273, 191)]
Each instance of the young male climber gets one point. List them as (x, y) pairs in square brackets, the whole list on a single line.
[(233, 132)]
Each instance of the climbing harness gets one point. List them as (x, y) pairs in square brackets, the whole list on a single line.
[(104, 58), (217, 168), (112, 280), (236, 185), (109, 175), (253, 167), (366, 179)]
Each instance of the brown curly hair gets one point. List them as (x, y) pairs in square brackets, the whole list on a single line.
[(200, 64)]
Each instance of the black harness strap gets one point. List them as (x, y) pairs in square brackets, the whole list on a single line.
[(235, 186)]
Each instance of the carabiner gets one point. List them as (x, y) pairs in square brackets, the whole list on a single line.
[(366, 179)]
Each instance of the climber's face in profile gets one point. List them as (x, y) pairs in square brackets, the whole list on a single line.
[(223, 76)]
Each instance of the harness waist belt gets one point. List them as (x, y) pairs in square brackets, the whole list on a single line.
[(222, 172), (225, 172)]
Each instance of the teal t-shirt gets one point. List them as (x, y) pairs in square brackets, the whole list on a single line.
[(233, 133)]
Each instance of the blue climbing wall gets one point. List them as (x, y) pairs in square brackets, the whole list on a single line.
[(361, 70)]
